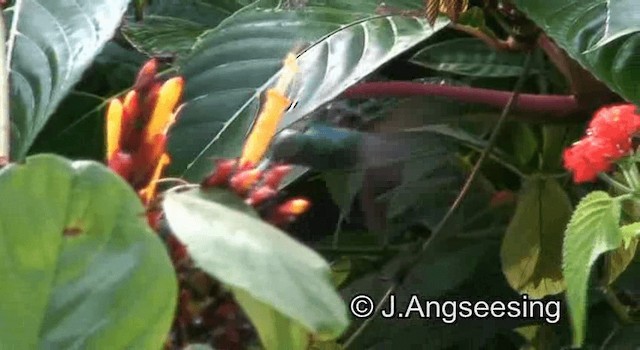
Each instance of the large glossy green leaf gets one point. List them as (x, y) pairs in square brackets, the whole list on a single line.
[(208, 13), (623, 18), (81, 269), (159, 35), (472, 57), (593, 230), (531, 250), (277, 278), (233, 64), (50, 44), (578, 25)]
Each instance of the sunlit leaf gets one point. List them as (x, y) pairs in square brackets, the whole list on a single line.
[(592, 231), (50, 45), (81, 268)]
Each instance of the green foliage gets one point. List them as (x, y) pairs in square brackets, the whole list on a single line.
[(471, 57), (90, 273), (236, 46), (284, 287), (159, 35), (592, 231), (601, 35), (51, 45), (81, 267), (532, 246)]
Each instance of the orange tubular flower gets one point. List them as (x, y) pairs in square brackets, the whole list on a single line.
[(114, 125), (137, 129), (267, 122)]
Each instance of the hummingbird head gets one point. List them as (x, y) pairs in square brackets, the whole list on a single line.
[(286, 146)]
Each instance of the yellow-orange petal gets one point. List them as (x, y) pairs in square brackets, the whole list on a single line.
[(146, 158), (288, 73), (114, 126), (272, 111), (265, 127), (149, 192), (162, 115)]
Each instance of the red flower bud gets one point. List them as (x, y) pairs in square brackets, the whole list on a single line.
[(146, 75), (287, 212), (242, 182), (501, 198), (274, 176), (153, 218), (130, 115), (122, 164), (222, 172), (260, 195), (295, 206)]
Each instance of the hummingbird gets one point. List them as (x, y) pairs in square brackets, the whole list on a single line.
[(324, 147)]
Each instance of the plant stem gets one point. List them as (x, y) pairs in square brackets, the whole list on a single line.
[(404, 270), (5, 122), (557, 105), (614, 183), (621, 310)]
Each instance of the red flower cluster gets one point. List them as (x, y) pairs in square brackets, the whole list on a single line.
[(608, 139), (137, 129), (259, 189)]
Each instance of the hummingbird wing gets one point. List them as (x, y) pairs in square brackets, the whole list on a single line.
[(324, 147)]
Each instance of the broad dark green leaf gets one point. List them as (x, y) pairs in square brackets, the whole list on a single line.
[(592, 231), (345, 47), (275, 276), (471, 57), (159, 35), (623, 18), (81, 268), (531, 252), (50, 44), (578, 25), (208, 13)]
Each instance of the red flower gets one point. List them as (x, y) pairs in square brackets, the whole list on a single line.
[(608, 139), (590, 156), (615, 123)]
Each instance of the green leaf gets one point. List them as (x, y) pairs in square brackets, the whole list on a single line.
[(205, 12), (275, 276), (623, 18), (252, 44), (629, 233), (81, 268), (531, 251), (343, 187), (592, 231), (50, 45), (470, 57), (578, 26), (618, 260), (276, 330), (158, 35), (340, 270), (524, 142)]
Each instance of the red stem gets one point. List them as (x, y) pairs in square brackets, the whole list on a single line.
[(557, 105)]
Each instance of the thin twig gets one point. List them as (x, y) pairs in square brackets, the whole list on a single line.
[(403, 271)]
